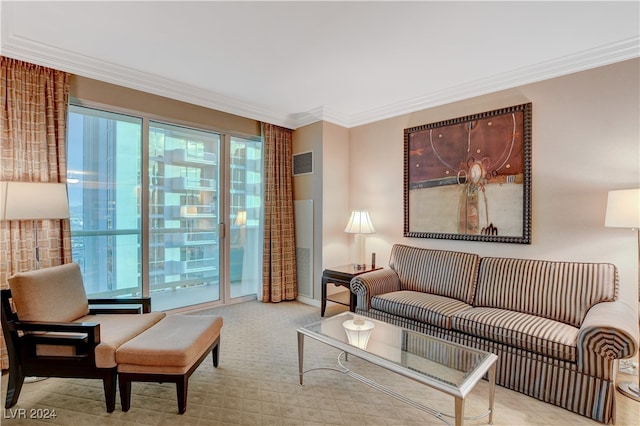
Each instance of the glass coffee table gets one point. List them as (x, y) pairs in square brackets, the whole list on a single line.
[(448, 367)]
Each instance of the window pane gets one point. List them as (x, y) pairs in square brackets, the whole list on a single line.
[(104, 165), (183, 216), (246, 220)]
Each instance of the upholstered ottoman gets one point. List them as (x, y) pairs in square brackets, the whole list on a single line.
[(170, 351)]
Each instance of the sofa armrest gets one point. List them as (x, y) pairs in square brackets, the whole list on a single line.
[(372, 283), (610, 331)]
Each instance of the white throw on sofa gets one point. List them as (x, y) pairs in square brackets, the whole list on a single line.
[(557, 327)]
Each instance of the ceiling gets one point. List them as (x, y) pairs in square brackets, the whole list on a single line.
[(296, 62)]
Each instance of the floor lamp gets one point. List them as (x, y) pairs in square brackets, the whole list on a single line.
[(623, 211), (33, 201)]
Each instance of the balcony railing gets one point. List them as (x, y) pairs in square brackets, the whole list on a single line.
[(182, 183), (189, 211), (176, 267), (190, 238), (185, 156)]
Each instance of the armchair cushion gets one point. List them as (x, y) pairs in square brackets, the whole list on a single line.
[(54, 294), (116, 330)]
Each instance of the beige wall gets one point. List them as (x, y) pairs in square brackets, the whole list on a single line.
[(100, 92), (586, 141), (309, 186), (328, 187), (335, 205)]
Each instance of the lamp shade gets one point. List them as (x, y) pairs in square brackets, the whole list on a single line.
[(623, 209), (360, 223), (33, 200), (188, 211), (358, 332), (241, 218)]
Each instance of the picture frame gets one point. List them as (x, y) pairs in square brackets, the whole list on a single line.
[(469, 178)]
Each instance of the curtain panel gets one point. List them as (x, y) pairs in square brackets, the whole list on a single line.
[(279, 258), (33, 132)]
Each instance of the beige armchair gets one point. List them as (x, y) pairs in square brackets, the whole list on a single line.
[(52, 330)]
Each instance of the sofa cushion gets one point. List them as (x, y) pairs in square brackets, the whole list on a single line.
[(116, 329), (561, 291), (524, 331), (441, 272), (54, 294), (424, 307)]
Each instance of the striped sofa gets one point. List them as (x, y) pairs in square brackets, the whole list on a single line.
[(557, 327)]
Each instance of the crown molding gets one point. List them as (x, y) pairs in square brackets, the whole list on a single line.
[(581, 61), (320, 114), (127, 77), (21, 48)]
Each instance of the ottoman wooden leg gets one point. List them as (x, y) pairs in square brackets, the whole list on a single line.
[(125, 392), (182, 386), (215, 352)]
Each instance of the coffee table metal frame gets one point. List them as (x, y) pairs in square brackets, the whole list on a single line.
[(486, 366)]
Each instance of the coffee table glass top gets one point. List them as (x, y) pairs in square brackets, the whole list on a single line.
[(429, 359)]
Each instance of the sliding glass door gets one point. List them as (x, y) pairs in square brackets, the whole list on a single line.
[(184, 212), (163, 210)]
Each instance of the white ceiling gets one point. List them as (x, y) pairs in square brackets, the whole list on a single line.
[(296, 62)]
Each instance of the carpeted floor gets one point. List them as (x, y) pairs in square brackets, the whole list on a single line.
[(256, 383)]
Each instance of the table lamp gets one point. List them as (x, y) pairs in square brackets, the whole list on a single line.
[(360, 224), (623, 211), (241, 222)]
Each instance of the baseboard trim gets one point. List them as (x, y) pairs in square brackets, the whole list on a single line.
[(308, 301)]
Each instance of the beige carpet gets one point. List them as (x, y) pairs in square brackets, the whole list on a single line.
[(256, 383)]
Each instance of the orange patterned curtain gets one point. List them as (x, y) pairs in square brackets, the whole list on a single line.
[(279, 259), (33, 127)]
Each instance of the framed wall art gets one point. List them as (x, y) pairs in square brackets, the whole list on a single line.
[(469, 178)]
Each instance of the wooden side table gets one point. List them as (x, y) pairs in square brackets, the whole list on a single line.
[(341, 276)]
